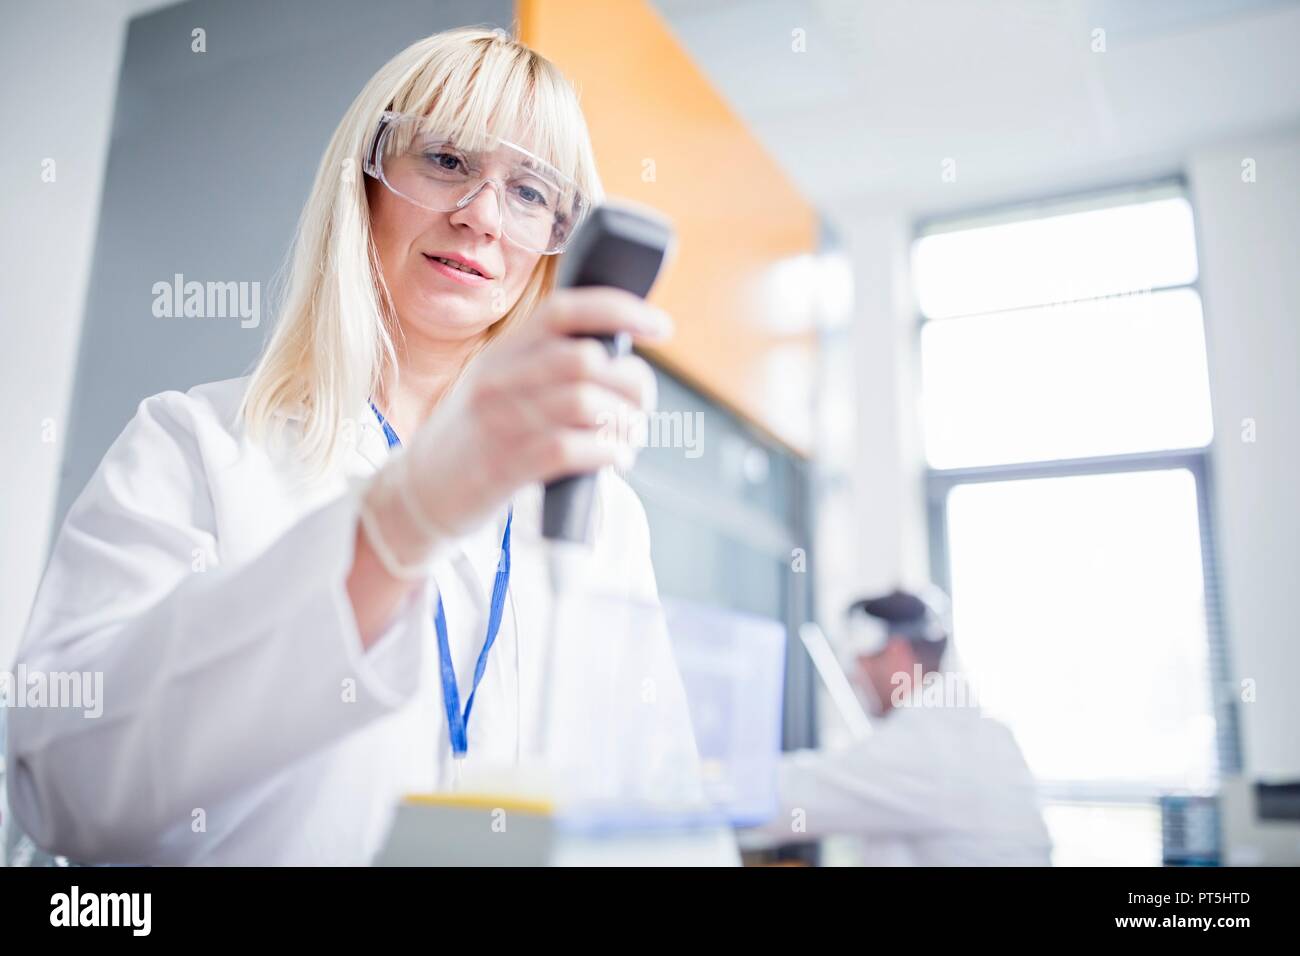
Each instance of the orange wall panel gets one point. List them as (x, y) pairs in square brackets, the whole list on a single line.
[(664, 137)]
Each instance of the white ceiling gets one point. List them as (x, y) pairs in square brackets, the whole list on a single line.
[(1009, 89)]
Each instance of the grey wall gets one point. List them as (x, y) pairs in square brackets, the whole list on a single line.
[(211, 159)]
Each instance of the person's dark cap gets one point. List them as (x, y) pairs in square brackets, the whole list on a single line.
[(907, 615)]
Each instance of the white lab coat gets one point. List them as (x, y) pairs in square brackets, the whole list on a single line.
[(930, 786), (242, 721)]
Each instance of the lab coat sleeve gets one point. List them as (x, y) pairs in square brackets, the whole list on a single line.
[(214, 677), (878, 785)]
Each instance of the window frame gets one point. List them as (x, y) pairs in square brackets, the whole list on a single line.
[(939, 482)]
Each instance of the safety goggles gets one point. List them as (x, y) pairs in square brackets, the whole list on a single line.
[(866, 634), (539, 206)]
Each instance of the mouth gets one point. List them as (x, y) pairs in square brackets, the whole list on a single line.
[(466, 268)]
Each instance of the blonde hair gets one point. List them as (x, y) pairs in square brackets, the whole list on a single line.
[(333, 345)]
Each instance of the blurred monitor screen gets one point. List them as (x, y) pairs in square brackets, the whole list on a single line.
[(733, 669)]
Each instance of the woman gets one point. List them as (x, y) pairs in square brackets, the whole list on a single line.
[(278, 574)]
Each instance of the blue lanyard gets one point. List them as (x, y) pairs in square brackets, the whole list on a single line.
[(457, 722)]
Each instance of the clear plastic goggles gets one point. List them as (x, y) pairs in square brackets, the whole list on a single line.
[(867, 635), (539, 206)]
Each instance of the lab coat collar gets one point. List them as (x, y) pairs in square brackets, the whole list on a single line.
[(371, 443), (363, 431)]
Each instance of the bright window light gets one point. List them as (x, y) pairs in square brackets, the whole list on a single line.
[(1103, 377), (1079, 616), (1104, 834), (1062, 258)]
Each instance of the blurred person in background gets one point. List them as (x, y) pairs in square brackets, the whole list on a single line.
[(936, 783)]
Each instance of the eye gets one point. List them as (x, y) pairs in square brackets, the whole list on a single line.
[(533, 194), (444, 162)]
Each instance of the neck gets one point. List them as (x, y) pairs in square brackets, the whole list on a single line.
[(426, 371)]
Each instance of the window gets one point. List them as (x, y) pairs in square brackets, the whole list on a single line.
[(1066, 415), (1103, 376)]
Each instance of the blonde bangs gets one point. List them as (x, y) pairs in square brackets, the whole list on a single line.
[(495, 88), (333, 343)]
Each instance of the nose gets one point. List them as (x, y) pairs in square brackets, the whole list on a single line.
[(481, 210)]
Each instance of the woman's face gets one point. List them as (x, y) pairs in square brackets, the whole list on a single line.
[(435, 301)]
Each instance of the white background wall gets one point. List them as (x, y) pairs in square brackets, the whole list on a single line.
[(871, 532), (58, 73), (1250, 280)]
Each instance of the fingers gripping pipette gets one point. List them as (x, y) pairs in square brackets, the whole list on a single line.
[(624, 248)]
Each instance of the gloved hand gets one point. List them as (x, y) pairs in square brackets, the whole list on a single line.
[(536, 405)]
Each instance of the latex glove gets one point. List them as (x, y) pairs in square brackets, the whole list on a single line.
[(536, 405)]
